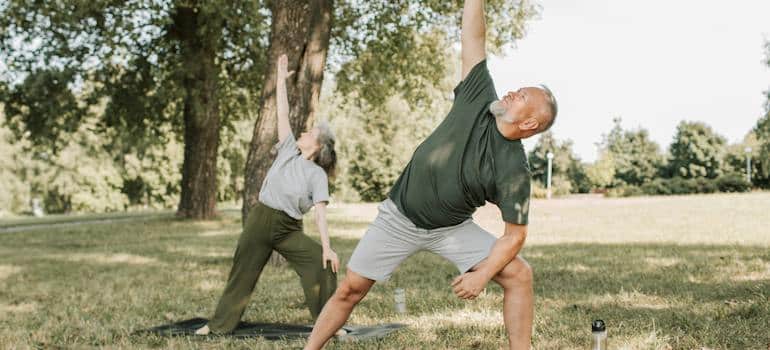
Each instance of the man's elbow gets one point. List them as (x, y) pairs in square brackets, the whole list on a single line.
[(517, 234)]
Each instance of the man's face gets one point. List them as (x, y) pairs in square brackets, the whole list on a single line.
[(528, 102)]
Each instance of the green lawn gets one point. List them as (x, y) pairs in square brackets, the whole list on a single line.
[(663, 272)]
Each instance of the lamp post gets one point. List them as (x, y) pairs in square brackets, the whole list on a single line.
[(748, 164), (550, 166)]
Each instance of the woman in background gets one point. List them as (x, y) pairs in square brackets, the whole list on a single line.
[(296, 182)]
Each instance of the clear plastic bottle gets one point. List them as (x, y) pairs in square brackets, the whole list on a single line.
[(598, 335), (400, 299)]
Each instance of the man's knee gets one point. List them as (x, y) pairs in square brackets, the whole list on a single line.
[(352, 290), (517, 273)]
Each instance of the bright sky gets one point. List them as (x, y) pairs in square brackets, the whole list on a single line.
[(653, 63)]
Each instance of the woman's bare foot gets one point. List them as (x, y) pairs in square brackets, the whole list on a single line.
[(203, 330)]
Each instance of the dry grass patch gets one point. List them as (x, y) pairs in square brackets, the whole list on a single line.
[(216, 233), (633, 299), (103, 258), (8, 270), (18, 308), (662, 262)]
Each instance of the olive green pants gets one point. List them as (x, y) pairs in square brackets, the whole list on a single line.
[(266, 230)]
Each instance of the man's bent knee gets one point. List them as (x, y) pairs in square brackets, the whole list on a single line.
[(516, 273), (353, 288)]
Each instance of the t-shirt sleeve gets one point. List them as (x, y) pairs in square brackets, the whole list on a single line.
[(477, 84), (319, 187), (286, 148), (512, 193)]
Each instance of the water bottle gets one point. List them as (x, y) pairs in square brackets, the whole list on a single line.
[(400, 298), (598, 335)]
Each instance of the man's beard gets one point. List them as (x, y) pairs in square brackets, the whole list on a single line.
[(498, 110)]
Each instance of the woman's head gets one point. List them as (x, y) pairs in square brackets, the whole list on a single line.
[(319, 143)]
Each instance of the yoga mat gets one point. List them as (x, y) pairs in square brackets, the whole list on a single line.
[(270, 331)]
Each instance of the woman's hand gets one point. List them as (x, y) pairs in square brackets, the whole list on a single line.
[(283, 63), (330, 255)]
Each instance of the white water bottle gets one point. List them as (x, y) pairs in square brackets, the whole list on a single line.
[(598, 335), (400, 299)]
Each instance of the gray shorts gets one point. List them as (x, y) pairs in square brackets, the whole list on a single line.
[(392, 237)]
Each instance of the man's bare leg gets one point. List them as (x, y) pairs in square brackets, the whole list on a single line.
[(338, 308), (518, 301)]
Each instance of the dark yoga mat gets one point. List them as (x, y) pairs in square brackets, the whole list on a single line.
[(270, 331)]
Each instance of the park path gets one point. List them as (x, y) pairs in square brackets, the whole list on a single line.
[(68, 222)]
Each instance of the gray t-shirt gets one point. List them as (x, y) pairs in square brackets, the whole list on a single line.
[(293, 184)]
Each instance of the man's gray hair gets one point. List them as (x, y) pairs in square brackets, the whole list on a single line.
[(327, 156), (553, 106)]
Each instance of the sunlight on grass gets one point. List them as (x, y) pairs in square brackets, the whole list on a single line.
[(652, 340), (752, 270), (466, 317), (18, 308), (577, 268), (631, 300), (201, 252), (665, 273), (662, 262), (102, 258), (8, 270), (210, 285), (215, 233)]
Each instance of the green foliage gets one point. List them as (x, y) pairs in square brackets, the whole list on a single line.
[(394, 45), (733, 183), (735, 160), (680, 186), (15, 196), (761, 152), (635, 157), (375, 143), (601, 173), (565, 163), (697, 151), (560, 186)]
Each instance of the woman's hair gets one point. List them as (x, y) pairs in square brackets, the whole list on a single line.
[(326, 157)]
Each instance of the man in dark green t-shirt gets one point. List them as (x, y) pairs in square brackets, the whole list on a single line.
[(475, 155)]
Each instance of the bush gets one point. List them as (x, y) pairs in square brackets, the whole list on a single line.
[(656, 187), (560, 186), (732, 183), (625, 191)]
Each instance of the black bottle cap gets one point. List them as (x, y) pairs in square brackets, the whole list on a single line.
[(597, 326)]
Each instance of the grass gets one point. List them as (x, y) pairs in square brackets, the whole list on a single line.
[(663, 272)]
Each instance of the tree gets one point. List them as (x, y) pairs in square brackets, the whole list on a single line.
[(378, 49), (761, 152), (565, 163), (697, 151), (601, 173), (636, 158), (186, 66)]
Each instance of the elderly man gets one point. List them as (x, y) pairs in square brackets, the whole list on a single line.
[(475, 155)]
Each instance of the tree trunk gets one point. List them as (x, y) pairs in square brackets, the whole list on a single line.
[(201, 113), (301, 30)]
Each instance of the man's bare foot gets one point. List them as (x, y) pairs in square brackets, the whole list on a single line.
[(203, 330)]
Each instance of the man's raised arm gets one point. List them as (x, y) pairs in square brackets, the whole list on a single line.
[(474, 35)]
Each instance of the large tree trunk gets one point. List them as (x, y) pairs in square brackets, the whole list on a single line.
[(301, 30), (201, 113)]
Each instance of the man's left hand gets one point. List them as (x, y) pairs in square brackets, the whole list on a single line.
[(469, 285)]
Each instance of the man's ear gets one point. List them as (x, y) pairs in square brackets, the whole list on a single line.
[(529, 124)]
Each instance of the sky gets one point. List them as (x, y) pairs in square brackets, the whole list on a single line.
[(652, 63)]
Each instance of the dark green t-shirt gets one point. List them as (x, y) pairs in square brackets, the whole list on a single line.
[(465, 162)]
